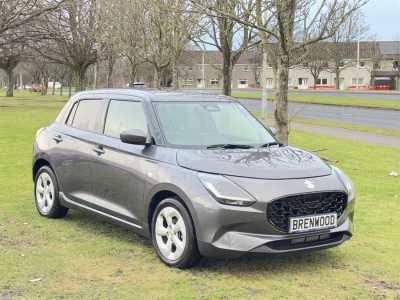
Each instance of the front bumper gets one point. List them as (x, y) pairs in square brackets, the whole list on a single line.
[(234, 244), (226, 231)]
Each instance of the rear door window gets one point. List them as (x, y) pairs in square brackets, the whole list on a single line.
[(124, 115), (88, 115)]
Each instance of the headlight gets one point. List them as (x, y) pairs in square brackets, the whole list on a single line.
[(346, 182), (225, 191)]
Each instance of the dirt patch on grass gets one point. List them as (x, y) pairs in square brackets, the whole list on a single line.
[(8, 293), (14, 242), (381, 284)]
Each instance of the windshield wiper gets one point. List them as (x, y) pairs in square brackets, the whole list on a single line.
[(229, 146), (271, 144)]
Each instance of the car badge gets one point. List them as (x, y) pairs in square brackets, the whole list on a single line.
[(309, 184)]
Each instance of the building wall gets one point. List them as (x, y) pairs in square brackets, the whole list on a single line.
[(245, 76)]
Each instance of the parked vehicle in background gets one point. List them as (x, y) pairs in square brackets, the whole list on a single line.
[(57, 85), (196, 173), (37, 88)]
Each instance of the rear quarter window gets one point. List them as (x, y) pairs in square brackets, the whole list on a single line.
[(88, 114)]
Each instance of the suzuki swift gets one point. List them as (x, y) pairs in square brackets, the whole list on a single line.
[(195, 173)]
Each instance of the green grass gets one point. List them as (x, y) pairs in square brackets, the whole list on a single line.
[(328, 100), (81, 257)]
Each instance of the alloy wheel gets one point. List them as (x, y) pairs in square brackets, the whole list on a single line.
[(45, 193), (170, 231)]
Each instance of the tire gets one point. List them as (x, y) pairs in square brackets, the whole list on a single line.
[(47, 199), (173, 235)]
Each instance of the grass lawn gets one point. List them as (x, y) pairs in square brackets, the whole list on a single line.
[(86, 258), (330, 100)]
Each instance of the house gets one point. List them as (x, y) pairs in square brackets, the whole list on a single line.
[(378, 67)]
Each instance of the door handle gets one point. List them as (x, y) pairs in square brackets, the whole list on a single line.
[(58, 138), (99, 150)]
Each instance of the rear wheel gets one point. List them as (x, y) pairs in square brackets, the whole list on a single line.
[(46, 194), (173, 234)]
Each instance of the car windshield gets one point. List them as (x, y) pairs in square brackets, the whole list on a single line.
[(210, 124)]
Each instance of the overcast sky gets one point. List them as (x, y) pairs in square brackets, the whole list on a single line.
[(383, 17)]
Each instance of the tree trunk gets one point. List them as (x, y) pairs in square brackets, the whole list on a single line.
[(79, 79), (175, 77), (275, 74), (61, 89), (315, 78), (337, 73), (45, 85), (53, 92), (132, 76), (96, 71), (264, 97), (227, 74), (69, 89), (110, 69), (10, 85), (157, 74), (281, 103)]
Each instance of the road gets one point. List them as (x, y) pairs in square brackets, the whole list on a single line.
[(362, 116), (354, 94)]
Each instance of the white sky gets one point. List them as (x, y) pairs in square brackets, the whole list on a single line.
[(383, 18)]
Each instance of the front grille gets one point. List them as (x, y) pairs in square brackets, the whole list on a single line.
[(280, 211)]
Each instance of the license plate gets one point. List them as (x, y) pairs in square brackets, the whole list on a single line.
[(307, 223)]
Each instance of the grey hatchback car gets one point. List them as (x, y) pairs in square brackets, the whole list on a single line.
[(196, 173)]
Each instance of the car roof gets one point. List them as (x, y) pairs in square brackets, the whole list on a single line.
[(156, 95)]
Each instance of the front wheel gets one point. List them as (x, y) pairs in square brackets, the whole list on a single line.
[(173, 235)]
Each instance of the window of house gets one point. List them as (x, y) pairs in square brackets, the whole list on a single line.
[(87, 115), (245, 68), (214, 81), (243, 81), (322, 81), (362, 63), (188, 82), (357, 81), (124, 115)]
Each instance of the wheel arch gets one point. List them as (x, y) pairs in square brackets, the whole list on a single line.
[(39, 162), (165, 191)]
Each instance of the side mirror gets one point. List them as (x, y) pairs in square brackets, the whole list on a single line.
[(273, 130), (135, 137)]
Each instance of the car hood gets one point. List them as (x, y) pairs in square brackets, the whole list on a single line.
[(265, 163)]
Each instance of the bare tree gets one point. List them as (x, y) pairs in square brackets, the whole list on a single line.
[(17, 14), (231, 37), (167, 29), (9, 59), (16, 18), (121, 27), (316, 60), (70, 37), (342, 45)]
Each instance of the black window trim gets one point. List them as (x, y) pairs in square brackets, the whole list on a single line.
[(70, 112)]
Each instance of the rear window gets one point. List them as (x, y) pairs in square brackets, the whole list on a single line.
[(87, 115)]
